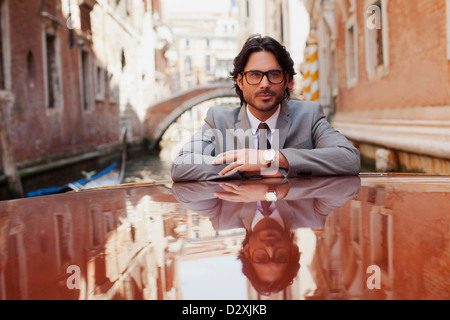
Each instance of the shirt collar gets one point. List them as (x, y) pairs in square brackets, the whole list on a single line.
[(275, 215), (254, 122)]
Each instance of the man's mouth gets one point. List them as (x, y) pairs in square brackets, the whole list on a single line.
[(269, 235), (265, 96)]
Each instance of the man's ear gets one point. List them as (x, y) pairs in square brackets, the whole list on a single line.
[(287, 83), (245, 250), (239, 80)]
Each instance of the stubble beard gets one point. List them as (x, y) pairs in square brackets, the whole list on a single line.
[(263, 107)]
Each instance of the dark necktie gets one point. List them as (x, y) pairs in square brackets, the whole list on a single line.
[(263, 141), (266, 208)]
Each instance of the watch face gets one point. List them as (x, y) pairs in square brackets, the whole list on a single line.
[(269, 155), (271, 196)]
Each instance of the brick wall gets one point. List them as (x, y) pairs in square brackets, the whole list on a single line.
[(419, 71), (113, 39), (36, 131)]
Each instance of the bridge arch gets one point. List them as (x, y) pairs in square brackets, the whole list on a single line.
[(161, 115)]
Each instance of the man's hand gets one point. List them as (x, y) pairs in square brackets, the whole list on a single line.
[(250, 162), (249, 191), (242, 193)]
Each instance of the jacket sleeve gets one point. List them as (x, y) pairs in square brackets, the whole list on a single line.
[(194, 161), (332, 153)]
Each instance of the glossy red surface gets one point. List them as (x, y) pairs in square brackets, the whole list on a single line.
[(375, 236)]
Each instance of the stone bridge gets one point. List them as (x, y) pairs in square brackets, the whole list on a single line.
[(162, 114)]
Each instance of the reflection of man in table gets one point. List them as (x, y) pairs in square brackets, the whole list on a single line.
[(270, 211)]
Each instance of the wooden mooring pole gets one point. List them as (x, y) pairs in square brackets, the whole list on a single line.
[(9, 165)]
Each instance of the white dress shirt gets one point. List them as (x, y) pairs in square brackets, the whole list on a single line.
[(254, 123), (258, 216)]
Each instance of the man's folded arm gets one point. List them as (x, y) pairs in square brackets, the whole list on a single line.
[(194, 161), (333, 154)]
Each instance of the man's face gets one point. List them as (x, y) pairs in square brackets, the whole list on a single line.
[(262, 98), (270, 238)]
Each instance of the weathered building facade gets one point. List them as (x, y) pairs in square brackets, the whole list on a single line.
[(74, 75), (387, 64)]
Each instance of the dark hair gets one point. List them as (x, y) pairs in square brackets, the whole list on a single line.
[(256, 43), (266, 288)]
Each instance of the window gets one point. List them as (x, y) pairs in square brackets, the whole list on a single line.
[(376, 32), (208, 65), (96, 226), (13, 278), (100, 79), (64, 238), (85, 18), (51, 62), (113, 87), (188, 65), (5, 81), (351, 52), (381, 237), (86, 87), (52, 70)]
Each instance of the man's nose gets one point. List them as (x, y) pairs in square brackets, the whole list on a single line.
[(270, 245), (265, 81)]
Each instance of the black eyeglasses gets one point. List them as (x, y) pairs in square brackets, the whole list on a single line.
[(255, 76), (280, 256)]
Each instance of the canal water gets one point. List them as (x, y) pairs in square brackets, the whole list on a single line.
[(147, 168)]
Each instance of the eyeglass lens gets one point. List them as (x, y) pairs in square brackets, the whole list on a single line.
[(281, 255), (255, 76)]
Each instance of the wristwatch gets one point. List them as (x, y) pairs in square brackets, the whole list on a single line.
[(271, 196), (269, 156)]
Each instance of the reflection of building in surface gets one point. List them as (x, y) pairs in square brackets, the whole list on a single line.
[(130, 242), (202, 242), (201, 239), (395, 236), (120, 241), (380, 228)]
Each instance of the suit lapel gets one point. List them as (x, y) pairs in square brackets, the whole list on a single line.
[(286, 213), (247, 213), (242, 120), (243, 133), (283, 126)]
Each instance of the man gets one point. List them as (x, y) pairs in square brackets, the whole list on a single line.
[(269, 254), (294, 138)]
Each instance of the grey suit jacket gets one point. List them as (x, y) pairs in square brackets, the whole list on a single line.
[(304, 136)]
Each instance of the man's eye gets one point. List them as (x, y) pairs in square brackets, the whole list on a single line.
[(255, 75)]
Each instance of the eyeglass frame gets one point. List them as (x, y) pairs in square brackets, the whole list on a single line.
[(270, 259), (264, 74)]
